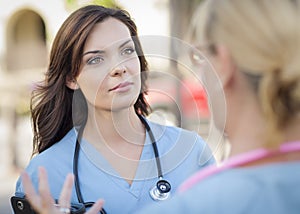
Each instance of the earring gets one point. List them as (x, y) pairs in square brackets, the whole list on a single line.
[(75, 84)]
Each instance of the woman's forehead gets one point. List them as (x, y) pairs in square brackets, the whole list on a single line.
[(110, 32)]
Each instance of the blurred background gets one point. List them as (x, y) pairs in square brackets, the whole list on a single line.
[(27, 29)]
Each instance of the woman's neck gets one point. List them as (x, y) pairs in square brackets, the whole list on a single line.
[(113, 128), (245, 126), (119, 137), (291, 130), (254, 138)]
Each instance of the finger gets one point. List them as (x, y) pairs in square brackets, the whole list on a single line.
[(65, 195), (30, 192), (97, 206), (44, 190)]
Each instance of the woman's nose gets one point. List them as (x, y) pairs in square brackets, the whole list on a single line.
[(118, 70)]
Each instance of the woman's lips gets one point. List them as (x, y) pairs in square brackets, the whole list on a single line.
[(121, 87)]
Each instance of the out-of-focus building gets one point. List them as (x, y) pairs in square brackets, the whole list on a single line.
[(27, 28)]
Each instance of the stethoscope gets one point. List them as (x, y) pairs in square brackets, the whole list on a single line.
[(159, 192)]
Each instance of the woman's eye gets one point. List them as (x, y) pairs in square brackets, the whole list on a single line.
[(196, 57), (95, 60), (128, 51)]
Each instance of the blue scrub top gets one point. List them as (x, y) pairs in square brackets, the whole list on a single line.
[(272, 188), (182, 153)]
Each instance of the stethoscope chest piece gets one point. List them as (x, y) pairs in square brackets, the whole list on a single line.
[(161, 191)]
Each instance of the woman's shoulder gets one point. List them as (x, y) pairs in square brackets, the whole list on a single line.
[(178, 137), (170, 131), (264, 188), (60, 148), (249, 179), (175, 141), (56, 154), (57, 160)]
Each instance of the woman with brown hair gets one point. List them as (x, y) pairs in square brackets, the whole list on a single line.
[(89, 119)]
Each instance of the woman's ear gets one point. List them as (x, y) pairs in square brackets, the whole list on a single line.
[(72, 83), (227, 67)]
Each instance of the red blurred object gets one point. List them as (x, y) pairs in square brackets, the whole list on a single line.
[(192, 92), (185, 98)]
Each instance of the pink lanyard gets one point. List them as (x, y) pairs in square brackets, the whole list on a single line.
[(239, 160)]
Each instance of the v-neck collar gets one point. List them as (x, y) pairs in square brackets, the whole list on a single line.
[(146, 167)]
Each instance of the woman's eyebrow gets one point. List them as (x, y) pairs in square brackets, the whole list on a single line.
[(124, 43), (94, 52), (101, 51)]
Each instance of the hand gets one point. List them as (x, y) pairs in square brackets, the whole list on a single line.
[(43, 203)]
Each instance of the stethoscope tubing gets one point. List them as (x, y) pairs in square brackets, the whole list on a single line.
[(156, 197), (154, 145)]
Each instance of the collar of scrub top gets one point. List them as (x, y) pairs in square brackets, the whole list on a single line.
[(239, 161), (160, 192)]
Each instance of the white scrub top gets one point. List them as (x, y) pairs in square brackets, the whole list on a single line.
[(182, 153)]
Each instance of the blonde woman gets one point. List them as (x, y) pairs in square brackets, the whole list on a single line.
[(254, 47)]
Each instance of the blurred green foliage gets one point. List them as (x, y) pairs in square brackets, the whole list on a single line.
[(105, 3), (74, 4)]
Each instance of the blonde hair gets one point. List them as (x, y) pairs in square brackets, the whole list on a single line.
[(263, 37)]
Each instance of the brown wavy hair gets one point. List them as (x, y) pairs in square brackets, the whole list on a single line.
[(52, 101)]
